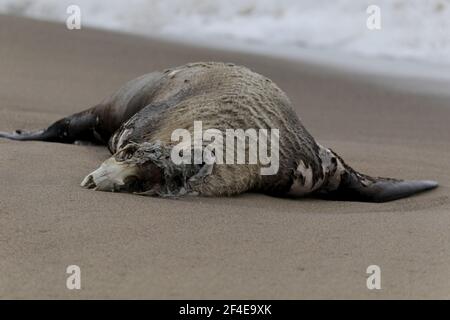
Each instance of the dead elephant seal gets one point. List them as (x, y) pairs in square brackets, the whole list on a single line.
[(139, 120)]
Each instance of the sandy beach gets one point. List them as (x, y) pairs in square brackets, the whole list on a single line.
[(247, 247)]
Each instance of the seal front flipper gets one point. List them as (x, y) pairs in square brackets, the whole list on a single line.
[(23, 135), (81, 126), (98, 123)]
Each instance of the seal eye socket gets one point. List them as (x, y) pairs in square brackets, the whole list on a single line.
[(127, 152)]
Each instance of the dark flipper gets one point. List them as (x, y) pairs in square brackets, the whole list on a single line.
[(377, 189), (385, 190), (98, 123), (354, 186), (343, 183), (80, 126)]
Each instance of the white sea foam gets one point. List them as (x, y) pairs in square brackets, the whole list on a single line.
[(411, 29)]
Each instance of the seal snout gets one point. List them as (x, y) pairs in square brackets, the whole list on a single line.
[(110, 176), (88, 182)]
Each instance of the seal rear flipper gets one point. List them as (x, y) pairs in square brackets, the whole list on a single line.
[(80, 126), (357, 187), (338, 181)]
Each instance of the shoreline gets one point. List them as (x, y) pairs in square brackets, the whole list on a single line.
[(407, 75)]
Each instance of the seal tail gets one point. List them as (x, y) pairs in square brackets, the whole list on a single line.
[(350, 185), (80, 126)]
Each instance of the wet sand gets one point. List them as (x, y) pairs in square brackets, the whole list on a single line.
[(251, 246)]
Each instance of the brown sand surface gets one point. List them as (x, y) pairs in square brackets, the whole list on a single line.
[(251, 246)]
